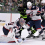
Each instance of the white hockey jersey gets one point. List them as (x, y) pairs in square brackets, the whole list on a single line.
[(33, 13), (7, 26)]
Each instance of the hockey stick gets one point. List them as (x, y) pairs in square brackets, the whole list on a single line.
[(13, 35), (16, 39)]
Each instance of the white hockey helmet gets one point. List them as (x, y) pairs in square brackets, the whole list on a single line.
[(29, 4), (43, 1)]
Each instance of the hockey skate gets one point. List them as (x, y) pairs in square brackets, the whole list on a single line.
[(30, 35), (36, 34), (43, 37)]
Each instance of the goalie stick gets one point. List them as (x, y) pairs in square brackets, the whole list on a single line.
[(12, 35)]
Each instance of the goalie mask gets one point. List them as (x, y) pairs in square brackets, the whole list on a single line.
[(21, 21)]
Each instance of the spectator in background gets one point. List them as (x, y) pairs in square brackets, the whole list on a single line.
[(15, 5), (33, 1), (6, 4), (0, 8), (10, 3), (13, 1), (7, 8), (10, 0), (4, 9), (2, 2), (16, 1), (37, 2)]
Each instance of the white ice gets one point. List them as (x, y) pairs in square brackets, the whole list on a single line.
[(29, 42)]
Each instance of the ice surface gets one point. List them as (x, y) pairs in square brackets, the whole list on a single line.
[(27, 42)]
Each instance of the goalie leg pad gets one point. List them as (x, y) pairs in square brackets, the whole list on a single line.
[(5, 31)]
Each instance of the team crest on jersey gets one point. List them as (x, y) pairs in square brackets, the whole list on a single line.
[(33, 6), (28, 22)]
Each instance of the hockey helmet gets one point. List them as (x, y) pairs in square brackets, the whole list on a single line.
[(22, 21), (43, 2), (29, 4)]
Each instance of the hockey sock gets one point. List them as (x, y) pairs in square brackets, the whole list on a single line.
[(33, 31), (42, 31)]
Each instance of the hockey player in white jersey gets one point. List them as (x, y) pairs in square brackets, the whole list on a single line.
[(35, 18), (7, 28)]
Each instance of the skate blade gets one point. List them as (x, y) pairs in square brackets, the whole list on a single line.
[(43, 38)]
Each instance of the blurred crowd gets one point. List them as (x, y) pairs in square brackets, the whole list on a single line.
[(12, 5), (8, 5)]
